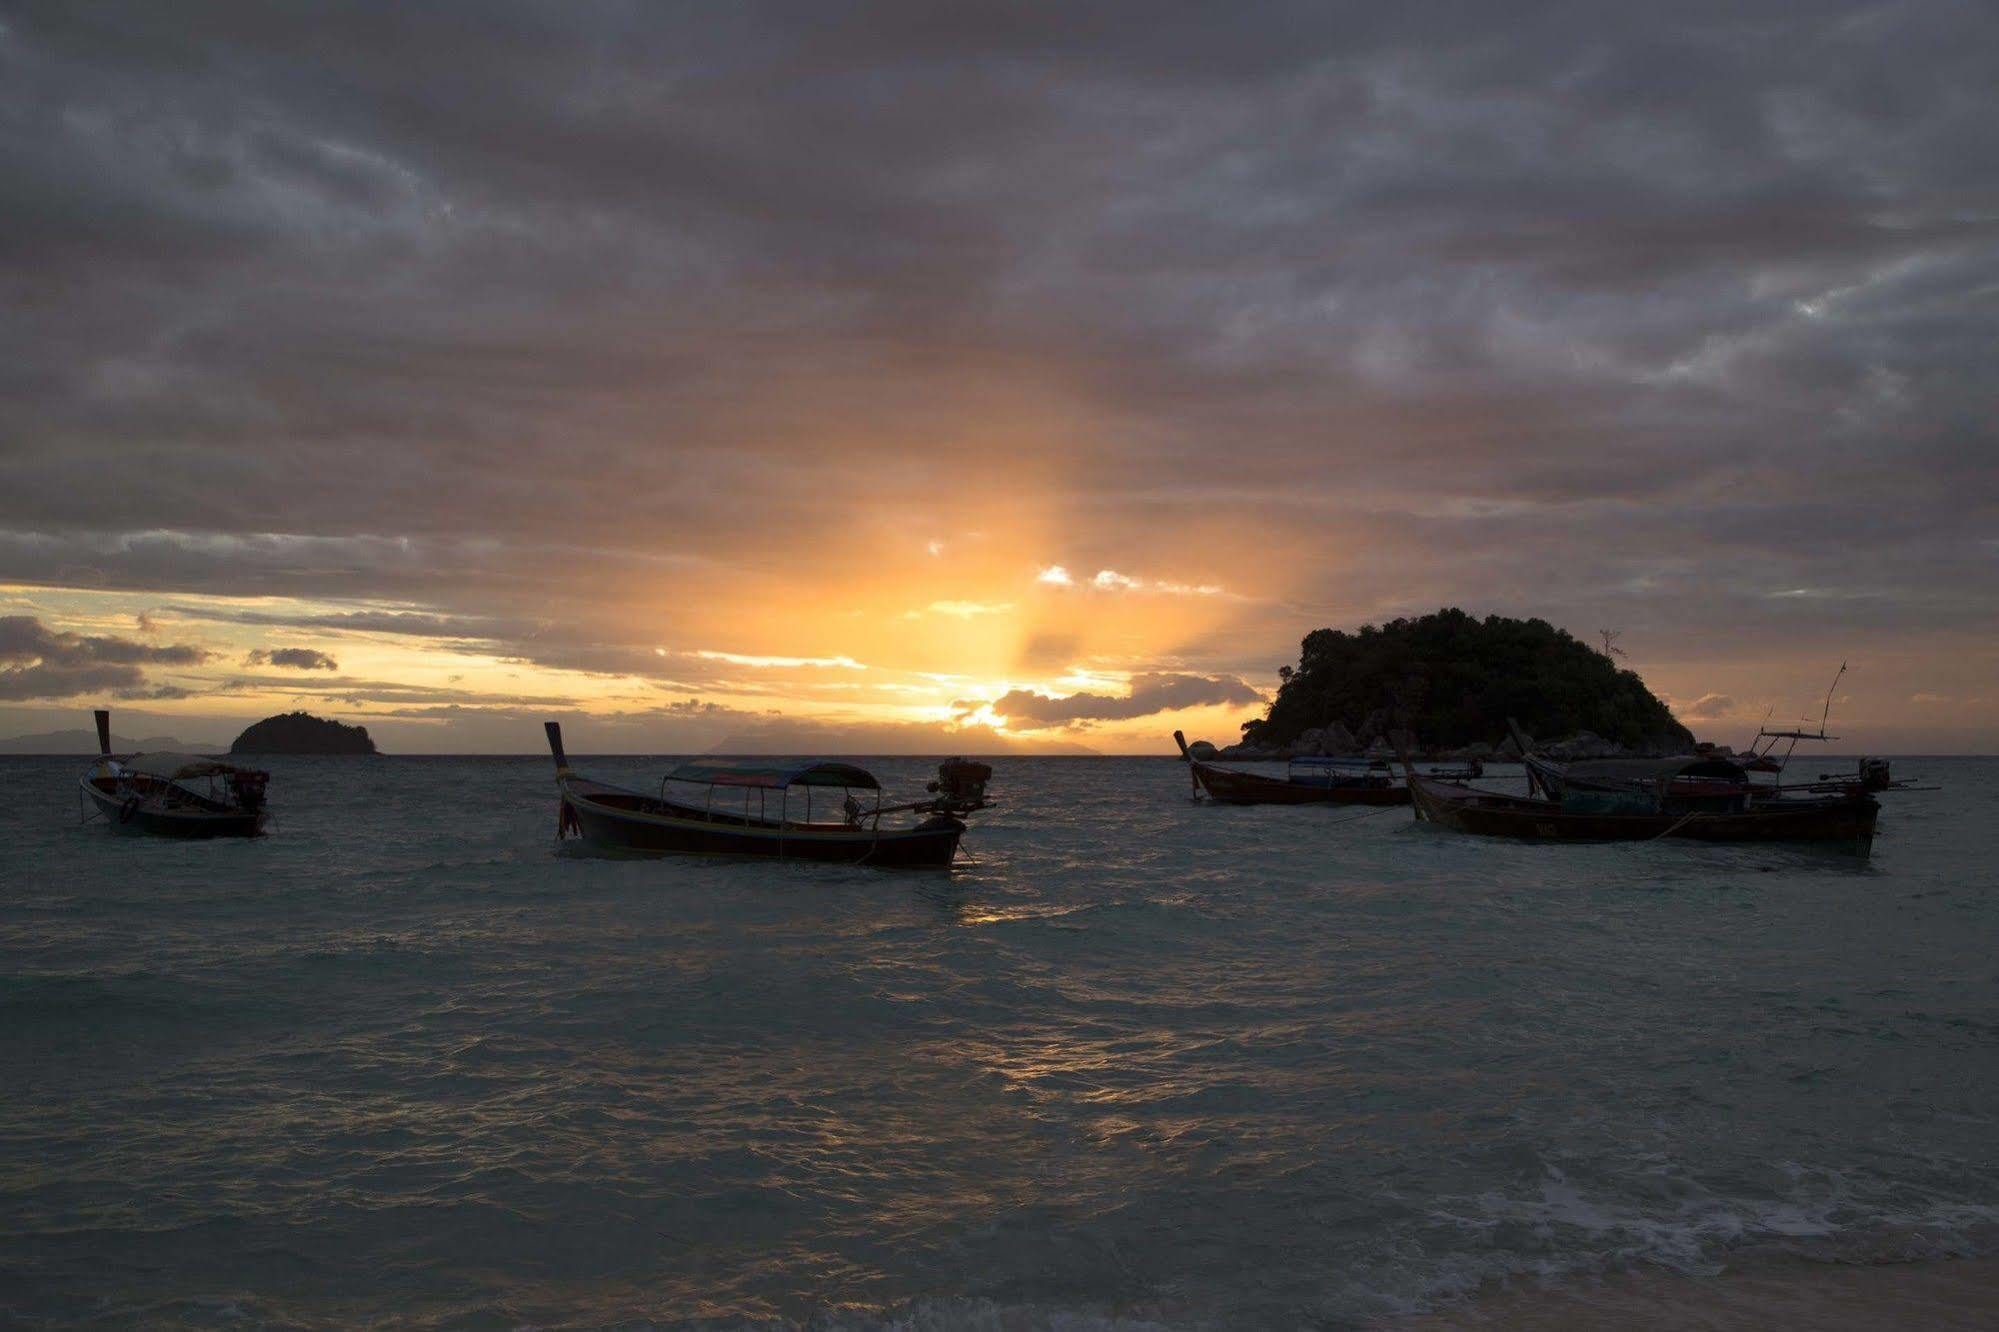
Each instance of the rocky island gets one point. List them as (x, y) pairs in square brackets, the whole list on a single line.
[(303, 733), (1452, 680)]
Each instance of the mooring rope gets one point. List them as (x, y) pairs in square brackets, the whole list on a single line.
[(1683, 822)]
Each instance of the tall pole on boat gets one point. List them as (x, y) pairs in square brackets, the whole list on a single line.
[(554, 730), (104, 732), (1193, 778)]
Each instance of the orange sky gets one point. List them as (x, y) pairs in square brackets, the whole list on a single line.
[(898, 662)]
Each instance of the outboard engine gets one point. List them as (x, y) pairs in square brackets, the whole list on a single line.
[(1874, 774), (247, 786), (961, 785)]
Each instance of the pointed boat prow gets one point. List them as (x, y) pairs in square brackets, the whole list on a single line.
[(1193, 768), (1402, 740), (104, 732), (554, 730)]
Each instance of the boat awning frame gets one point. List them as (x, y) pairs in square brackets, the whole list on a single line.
[(704, 772)]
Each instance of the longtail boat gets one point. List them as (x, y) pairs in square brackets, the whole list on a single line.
[(1310, 780), (173, 795), (1639, 800), (711, 808)]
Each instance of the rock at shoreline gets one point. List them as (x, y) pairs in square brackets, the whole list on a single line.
[(1584, 745), (303, 733)]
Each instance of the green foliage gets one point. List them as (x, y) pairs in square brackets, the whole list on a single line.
[(1454, 679)]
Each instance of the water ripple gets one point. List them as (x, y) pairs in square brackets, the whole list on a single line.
[(1138, 1064)]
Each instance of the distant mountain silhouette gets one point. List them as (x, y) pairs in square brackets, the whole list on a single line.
[(303, 733), (85, 742)]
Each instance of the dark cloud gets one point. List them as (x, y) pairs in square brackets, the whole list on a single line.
[(160, 692), (413, 623), (298, 659), (1149, 694), (294, 307), (38, 662), (359, 691)]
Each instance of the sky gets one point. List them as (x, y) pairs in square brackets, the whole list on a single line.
[(910, 377)]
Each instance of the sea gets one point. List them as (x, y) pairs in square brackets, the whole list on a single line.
[(408, 1061)]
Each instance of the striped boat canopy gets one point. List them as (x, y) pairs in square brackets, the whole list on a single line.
[(709, 773)]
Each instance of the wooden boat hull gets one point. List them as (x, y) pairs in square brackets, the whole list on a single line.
[(1226, 786), (1843, 821), (146, 814), (614, 819)]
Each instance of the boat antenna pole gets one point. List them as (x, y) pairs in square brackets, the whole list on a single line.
[(1825, 713), (554, 730), (1768, 713), (104, 732)]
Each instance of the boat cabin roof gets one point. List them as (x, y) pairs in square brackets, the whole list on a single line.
[(1656, 770), (174, 767), (774, 776)]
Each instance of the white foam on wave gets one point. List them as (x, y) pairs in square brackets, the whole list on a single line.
[(981, 1315), (1564, 1229)]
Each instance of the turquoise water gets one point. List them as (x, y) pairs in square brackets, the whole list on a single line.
[(1138, 1062)]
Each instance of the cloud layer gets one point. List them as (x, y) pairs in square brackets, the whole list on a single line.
[(626, 335), (297, 659), (1149, 694), (39, 663)]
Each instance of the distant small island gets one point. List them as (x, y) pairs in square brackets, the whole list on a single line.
[(1452, 681), (303, 733)]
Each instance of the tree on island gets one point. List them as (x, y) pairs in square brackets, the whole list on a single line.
[(303, 733), (1453, 680)]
